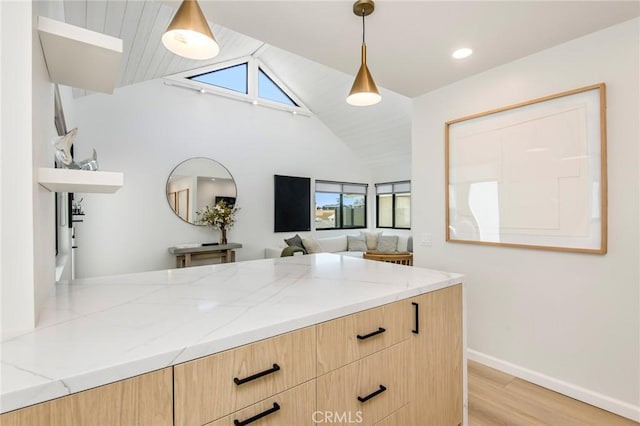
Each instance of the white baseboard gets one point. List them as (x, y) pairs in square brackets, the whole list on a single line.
[(621, 408)]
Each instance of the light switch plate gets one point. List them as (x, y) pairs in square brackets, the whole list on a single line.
[(426, 240)]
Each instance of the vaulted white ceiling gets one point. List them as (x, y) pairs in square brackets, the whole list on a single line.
[(317, 54), (410, 43)]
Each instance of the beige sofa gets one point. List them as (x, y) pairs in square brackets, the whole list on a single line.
[(347, 245)]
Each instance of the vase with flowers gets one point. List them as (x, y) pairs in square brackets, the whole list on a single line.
[(221, 216)]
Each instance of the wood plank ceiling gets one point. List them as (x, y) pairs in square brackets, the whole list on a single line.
[(379, 135)]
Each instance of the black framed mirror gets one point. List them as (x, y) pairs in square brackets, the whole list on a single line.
[(198, 182)]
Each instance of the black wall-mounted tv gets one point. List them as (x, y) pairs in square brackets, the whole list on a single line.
[(292, 201), (231, 201)]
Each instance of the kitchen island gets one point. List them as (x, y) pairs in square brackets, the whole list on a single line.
[(183, 322)]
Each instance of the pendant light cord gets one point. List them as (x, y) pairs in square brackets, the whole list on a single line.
[(363, 26)]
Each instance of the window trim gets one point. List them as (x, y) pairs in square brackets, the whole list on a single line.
[(182, 79), (393, 203), (365, 186)]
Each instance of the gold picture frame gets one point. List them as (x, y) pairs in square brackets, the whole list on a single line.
[(530, 175)]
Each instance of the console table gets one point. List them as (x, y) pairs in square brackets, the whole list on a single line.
[(185, 253)]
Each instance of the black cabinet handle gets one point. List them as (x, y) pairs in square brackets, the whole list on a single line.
[(238, 382), (275, 408), (373, 333), (417, 329), (371, 395)]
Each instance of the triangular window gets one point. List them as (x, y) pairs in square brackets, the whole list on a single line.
[(232, 78), (268, 89), (246, 79)]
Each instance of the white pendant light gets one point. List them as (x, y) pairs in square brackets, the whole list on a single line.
[(364, 91), (189, 35)]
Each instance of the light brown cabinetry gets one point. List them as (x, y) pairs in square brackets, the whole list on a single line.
[(294, 407), (436, 376), (141, 400), (369, 389), (367, 359), (402, 417), (209, 388), (355, 336)]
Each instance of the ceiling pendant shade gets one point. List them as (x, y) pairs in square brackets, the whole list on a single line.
[(189, 35), (364, 91)]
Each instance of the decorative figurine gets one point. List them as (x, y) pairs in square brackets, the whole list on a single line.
[(63, 153)]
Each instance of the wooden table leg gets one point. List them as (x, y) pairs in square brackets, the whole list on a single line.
[(187, 260)]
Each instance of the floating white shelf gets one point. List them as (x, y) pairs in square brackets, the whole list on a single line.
[(83, 181), (78, 57)]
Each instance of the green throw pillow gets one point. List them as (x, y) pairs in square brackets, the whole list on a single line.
[(295, 241)]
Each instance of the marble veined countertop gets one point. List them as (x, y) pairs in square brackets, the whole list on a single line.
[(101, 330)]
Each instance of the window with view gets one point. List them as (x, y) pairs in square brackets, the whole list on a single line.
[(340, 205), (393, 205), (246, 79), (268, 89)]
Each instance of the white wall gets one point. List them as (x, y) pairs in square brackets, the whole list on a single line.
[(44, 131), (567, 321), (28, 245), (18, 311), (146, 129)]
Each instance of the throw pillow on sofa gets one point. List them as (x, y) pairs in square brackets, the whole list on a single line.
[(387, 244), (325, 245), (311, 245), (295, 241), (355, 243), (371, 238)]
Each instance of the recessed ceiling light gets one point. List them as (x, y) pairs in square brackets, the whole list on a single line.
[(465, 52)]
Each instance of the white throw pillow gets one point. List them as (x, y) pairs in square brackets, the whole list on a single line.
[(311, 246), (387, 244), (356, 243), (371, 237)]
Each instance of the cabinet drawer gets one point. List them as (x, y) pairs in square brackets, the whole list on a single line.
[(402, 417), (214, 386), (293, 407), (352, 337), (369, 389)]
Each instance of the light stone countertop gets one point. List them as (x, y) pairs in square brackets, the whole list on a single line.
[(101, 330)]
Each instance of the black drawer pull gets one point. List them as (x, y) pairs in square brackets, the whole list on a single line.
[(371, 395), (275, 408), (417, 329), (373, 333), (238, 382)]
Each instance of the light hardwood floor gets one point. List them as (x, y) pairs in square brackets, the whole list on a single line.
[(496, 398)]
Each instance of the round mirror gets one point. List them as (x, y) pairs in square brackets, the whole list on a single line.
[(196, 183)]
